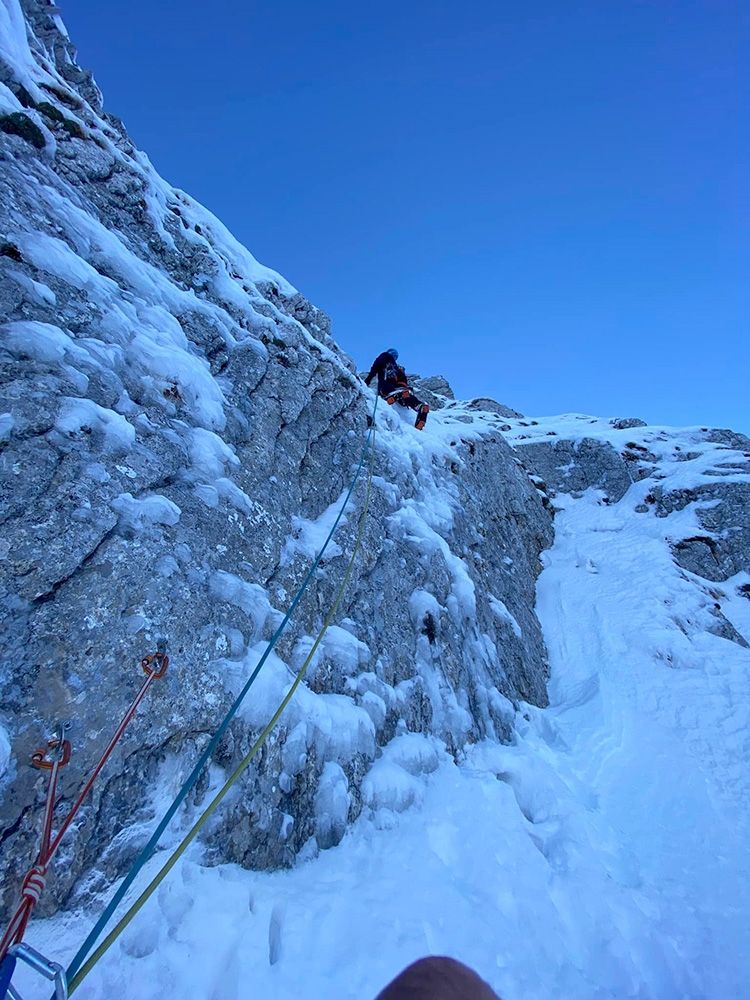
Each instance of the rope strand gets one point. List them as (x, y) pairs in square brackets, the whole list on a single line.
[(220, 795), (147, 851)]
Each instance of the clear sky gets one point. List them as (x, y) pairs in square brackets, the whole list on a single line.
[(545, 201)]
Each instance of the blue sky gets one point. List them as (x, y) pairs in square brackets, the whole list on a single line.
[(547, 202)]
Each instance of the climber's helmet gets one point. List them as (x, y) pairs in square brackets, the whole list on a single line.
[(392, 351)]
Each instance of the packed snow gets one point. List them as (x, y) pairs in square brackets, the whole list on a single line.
[(602, 854)]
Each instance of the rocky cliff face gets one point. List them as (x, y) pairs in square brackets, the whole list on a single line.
[(177, 429), (177, 433)]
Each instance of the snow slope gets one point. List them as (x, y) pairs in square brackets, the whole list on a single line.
[(603, 854)]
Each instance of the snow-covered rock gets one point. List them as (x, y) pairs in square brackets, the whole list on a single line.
[(179, 430)]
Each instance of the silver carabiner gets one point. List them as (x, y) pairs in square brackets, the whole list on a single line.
[(50, 970), (61, 729)]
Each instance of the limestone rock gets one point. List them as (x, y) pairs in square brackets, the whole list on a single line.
[(625, 423), (724, 513), (571, 467), (435, 390), (491, 406), (177, 430)]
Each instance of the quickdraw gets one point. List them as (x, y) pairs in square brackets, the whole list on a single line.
[(52, 757), (56, 752), (160, 658)]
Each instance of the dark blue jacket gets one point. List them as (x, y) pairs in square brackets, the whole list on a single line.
[(387, 370)]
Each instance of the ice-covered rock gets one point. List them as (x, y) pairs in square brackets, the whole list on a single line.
[(704, 472)]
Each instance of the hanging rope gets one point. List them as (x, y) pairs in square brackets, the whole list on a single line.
[(148, 850), (53, 757), (220, 795)]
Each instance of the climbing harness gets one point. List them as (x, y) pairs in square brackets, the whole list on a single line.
[(143, 857), (52, 758), (153, 885)]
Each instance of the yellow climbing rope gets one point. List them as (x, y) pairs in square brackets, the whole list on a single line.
[(211, 808)]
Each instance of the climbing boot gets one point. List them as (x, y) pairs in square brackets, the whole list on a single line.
[(421, 416)]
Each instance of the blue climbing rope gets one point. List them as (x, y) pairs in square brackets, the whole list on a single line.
[(145, 854)]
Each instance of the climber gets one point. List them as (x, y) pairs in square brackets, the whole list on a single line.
[(393, 385)]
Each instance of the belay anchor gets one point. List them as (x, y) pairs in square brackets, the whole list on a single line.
[(52, 758)]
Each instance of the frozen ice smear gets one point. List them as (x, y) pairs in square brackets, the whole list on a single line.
[(250, 597), (504, 615), (14, 46), (334, 725), (143, 512), (40, 292), (345, 650), (209, 454), (7, 424), (331, 805), (78, 416), (308, 536), (40, 341)]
